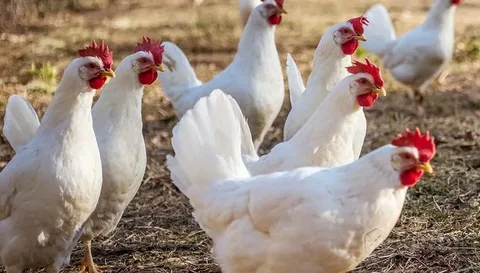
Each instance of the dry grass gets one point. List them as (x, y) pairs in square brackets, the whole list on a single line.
[(439, 230)]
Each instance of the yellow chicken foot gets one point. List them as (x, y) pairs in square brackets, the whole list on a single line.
[(86, 265)]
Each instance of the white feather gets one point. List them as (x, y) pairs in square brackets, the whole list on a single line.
[(20, 123), (179, 74), (295, 81), (380, 31), (207, 143), (246, 7)]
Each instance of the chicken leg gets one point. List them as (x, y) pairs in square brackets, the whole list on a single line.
[(86, 264), (440, 80)]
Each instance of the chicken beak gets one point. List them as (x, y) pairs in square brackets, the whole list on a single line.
[(158, 67), (282, 10), (360, 38), (380, 91), (426, 167), (109, 73)]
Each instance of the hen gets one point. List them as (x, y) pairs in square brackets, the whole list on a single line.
[(117, 122), (254, 78), (420, 55), (333, 141), (52, 184), (332, 55), (324, 220)]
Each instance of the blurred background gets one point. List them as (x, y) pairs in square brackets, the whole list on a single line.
[(440, 229)]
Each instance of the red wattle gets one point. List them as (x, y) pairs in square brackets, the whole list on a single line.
[(98, 82), (350, 47), (147, 77), (456, 2), (410, 177), (275, 19), (367, 100)]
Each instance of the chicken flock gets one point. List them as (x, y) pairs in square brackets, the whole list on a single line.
[(312, 199)]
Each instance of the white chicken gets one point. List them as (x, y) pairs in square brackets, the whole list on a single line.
[(52, 184), (325, 220), (117, 122), (254, 78), (332, 55), (420, 55), (333, 141)]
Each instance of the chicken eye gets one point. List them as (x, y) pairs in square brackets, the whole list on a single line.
[(91, 65), (345, 31), (363, 81), (269, 6)]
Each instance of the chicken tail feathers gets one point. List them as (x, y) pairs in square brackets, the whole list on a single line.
[(208, 145), (249, 153), (295, 81), (179, 75), (20, 123), (380, 30)]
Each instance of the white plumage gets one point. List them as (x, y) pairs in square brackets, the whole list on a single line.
[(246, 7), (20, 123), (420, 55), (295, 81), (254, 78), (52, 184), (324, 220)]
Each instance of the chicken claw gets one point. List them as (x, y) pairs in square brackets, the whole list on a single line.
[(87, 265)]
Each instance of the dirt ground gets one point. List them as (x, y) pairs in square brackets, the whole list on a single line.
[(439, 230)]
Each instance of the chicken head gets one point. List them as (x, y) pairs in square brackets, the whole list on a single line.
[(412, 159)]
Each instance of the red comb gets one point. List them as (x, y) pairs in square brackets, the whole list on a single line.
[(102, 52), (358, 67), (358, 23), (424, 144), (279, 2), (153, 47)]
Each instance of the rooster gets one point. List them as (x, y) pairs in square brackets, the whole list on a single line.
[(332, 55), (117, 122), (417, 57), (254, 78), (52, 184), (326, 220), (332, 142)]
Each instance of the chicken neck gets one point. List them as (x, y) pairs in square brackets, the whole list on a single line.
[(440, 15)]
